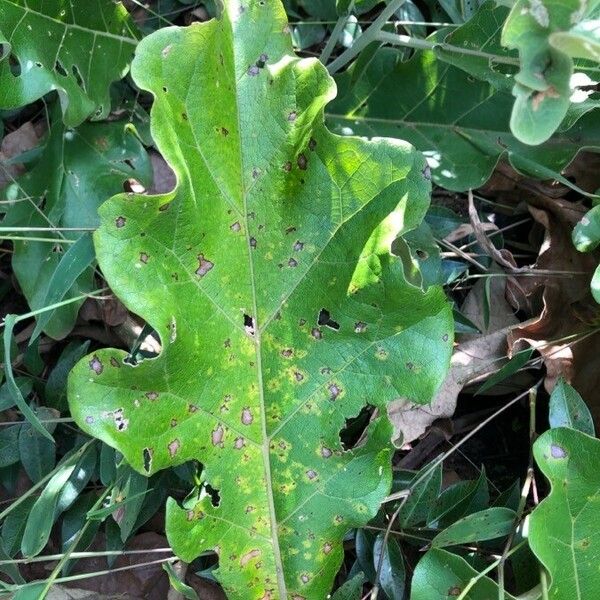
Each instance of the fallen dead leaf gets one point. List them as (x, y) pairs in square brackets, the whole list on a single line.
[(564, 328), (21, 140)]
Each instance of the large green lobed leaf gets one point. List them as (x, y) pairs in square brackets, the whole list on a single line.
[(268, 275), (564, 530), (77, 48)]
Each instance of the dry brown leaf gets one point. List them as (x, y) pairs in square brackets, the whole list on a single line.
[(15, 143), (563, 330)]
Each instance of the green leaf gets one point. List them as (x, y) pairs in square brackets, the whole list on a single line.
[(179, 586), (55, 391), (461, 124), (14, 526), (518, 361), (416, 507), (281, 311), (41, 517), (440, 574), (488, 524), (481, 35), (564, 529), (351, 589), (581, 41), (77, 171), (75, 261), (9, 445), (74, 48), (458, 500), (595, 284), (567, 409), (37, 452), (28, 412), (25, 385), (586, 234), (392, 578), (542, 86)]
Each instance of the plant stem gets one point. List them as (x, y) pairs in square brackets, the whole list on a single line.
[(335, 34), (368, 36), (421, 44)]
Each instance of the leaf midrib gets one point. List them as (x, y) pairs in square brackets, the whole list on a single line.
[(265, 450)]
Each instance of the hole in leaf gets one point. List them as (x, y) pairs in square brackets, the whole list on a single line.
[(249, 324), (352, 434), (215, 497), (147, 457), (78, 77), (325, 319), (60, 69)]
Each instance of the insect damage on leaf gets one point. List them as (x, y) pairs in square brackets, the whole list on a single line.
[(282, 326)]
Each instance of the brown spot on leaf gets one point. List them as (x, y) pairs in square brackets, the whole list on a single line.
[(96, 365), (327, 547), (539, 97), (557, 451), (114, 362), (305, 578), (302, 161), (298, 376), (166, 50), (252, 243), (174, 447), (204, 266), (312, 144), (287, 353), (235, 227), (217, 436), (253, 71), (192, 408), (287, 167), (143, 257), (326, 452), (316, 333), (152, 395), (298, 246), (120, 222), (334, 391), (89, 419), (292, 116), (292, 262), (239, 443), (246, 558), (224, 131), (247, 417), (173, 423), (454, 591), (311, 474)]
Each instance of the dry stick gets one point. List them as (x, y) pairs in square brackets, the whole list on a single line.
[(375, 591), (462, 254), (524, 493), (80, 555)]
